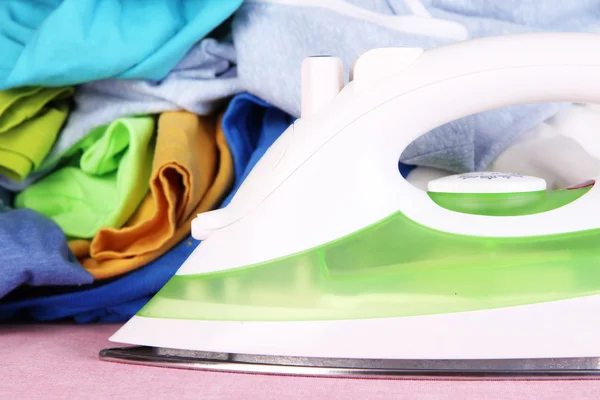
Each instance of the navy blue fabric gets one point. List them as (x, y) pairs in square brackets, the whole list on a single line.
[(34, 251), (250, 126), (5, 199), (405, 169)]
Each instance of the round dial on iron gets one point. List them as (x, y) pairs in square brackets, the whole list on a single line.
[(500, 194), (487, 182)]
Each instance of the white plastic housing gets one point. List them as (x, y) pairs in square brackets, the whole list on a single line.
[(335, 171), (322, 79), (567, 328), (378, 65)]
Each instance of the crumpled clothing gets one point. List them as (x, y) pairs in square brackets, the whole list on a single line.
[(103, 182), (67, 42), (34, 251), (30, 120), (250, 126), (200, 83), (192, 172)]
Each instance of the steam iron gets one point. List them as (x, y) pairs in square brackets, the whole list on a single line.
[(328, 262)]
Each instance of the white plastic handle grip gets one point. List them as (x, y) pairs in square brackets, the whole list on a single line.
[(322, 80), (454, 81), (442, 85)]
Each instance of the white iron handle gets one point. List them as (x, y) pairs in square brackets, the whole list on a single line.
[(451, 82), (441, 85)]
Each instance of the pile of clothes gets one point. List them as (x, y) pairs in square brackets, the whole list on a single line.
[(121, 120)]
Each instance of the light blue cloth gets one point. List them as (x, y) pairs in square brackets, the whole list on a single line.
[(34, 251), (199, 83), (289, 33), (67, 42), (250, 127)]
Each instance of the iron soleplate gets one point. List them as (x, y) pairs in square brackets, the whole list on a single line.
[(557, 368)]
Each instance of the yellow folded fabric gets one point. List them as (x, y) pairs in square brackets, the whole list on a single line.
[(192, 172), (30, 119)]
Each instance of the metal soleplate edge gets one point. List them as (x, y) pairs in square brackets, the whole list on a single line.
[(549, 368)]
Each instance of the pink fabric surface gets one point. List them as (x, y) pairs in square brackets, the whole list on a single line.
[(61, 361)]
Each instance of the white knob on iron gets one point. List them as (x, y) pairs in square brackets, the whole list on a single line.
[(486, 182), (207, 222), (322, 79)]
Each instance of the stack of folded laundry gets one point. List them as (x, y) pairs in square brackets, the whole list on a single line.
[(121, 120)]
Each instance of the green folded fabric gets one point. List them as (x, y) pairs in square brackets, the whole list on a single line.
[(100, 181), (30, 119)]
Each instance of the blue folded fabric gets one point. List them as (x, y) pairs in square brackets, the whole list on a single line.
[(250, 126), (290, 31), (67, 42), (34, 251)]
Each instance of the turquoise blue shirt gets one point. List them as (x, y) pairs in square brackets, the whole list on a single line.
[(66, 42)]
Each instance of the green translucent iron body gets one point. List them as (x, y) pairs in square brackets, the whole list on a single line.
[(395, 268)]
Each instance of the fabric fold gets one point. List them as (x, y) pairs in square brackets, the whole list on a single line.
[(192, 171), (33, 251), (30, 120), (250, 126), (200, 83), (67, 42), (102, 181)]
